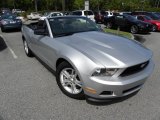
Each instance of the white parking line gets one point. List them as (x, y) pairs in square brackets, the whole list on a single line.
[(12, 52)]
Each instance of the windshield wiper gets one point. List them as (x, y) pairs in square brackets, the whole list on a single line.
[(63, 34)]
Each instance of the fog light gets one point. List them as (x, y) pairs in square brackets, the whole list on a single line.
[(107, 93), (90, 90)]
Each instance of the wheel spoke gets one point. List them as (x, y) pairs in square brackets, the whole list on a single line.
[(74, 89), (73, 72), (66, 74), (78, 83)]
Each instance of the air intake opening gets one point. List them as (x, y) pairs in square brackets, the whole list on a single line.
[(107, 93)]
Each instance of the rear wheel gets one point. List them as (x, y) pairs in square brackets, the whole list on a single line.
[(69, 81), (134, 29), (27, 49), (2, 29)]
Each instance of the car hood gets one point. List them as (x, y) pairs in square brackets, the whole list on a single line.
[(107, 49)]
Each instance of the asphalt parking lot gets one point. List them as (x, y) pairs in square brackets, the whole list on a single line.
[(28, 91)]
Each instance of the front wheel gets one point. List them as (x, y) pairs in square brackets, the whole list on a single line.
[(134, 29), (69, 81)]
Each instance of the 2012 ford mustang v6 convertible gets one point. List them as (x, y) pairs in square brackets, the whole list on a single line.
[(87, 61)]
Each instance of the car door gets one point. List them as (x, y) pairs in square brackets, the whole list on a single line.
[(46, 46), (120, 21)]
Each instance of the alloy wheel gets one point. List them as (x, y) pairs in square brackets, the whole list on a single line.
[(70, 81)]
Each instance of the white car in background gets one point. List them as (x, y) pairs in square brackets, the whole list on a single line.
[(86, 13), (50, 14), (109, 13), (33, 16)]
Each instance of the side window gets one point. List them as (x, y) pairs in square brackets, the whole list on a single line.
[(140, 18), (43, 26), (53, 14)]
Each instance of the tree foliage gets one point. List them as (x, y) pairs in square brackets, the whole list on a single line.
[(122, 5)]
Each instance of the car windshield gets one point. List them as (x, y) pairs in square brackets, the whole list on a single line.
[(8, 17), (147, 18), (63, 26), (153, 16)]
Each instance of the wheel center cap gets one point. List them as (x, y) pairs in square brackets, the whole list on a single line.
[(72, 79)]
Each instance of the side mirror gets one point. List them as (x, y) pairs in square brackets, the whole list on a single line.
[(40, 32)]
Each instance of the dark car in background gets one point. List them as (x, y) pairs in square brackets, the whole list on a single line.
[(129, 23), (155, 23), (156, 13), (99, 16), (8, 22), (5, 11), (150, 14)]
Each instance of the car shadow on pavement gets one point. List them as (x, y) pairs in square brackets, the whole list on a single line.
[(1, 118), (2, 44), (111, 101), (139, 38)]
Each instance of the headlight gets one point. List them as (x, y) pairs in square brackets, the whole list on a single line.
[(105, 72), (4, 22)]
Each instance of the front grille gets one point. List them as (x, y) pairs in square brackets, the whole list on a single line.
[(134, 69)]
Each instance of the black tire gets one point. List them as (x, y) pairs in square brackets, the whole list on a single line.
[(109, 25), (27, 49), (2, 29), (134, 29), (154, 28), (59, 78)]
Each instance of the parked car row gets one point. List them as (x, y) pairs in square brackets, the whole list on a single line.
[(155, 23), (134, 22), (129, 23), (35, 15)]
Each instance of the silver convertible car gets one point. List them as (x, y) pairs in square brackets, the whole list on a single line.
[(87, 61)]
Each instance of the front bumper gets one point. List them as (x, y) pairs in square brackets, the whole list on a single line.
[(115, 87), (158, 27), (12, 26), (147, 29)]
